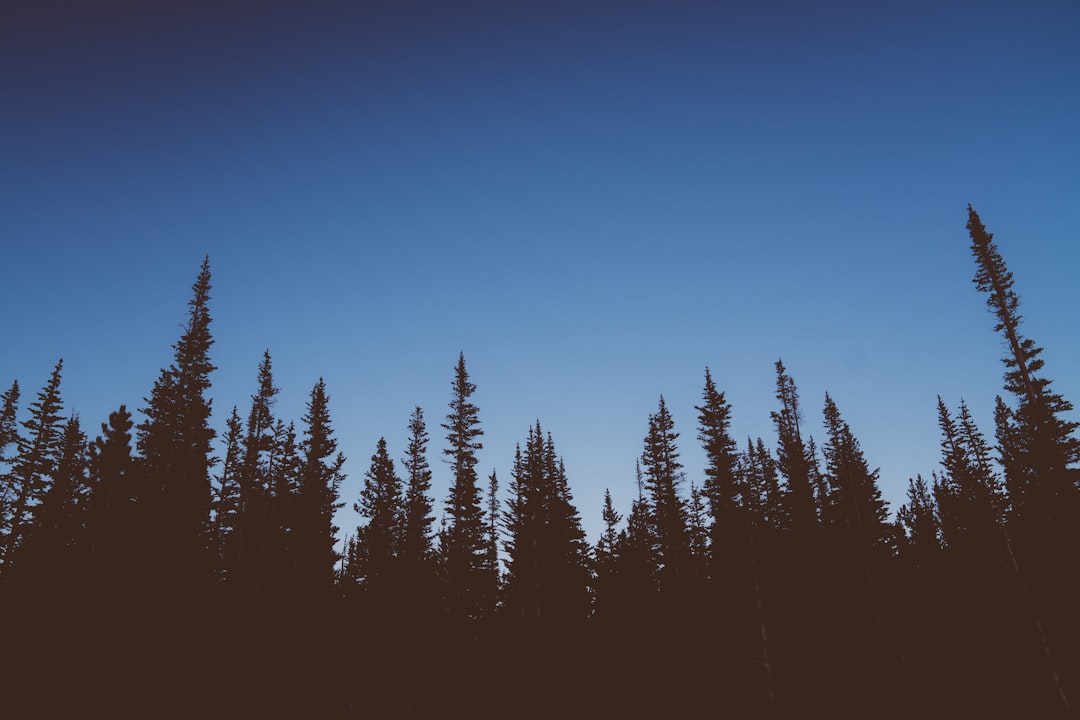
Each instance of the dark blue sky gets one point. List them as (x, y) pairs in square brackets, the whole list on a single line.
[(593, 201)]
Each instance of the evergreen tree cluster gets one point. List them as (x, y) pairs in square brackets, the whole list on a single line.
[(140, 571)]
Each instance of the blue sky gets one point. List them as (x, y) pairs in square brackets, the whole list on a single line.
[(593, 201)]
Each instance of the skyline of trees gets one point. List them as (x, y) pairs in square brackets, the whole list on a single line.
[(782, 563)]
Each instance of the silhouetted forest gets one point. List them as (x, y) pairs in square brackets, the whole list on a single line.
[(153, 567)]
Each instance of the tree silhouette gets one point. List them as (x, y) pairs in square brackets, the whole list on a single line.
[(175, 444), (33, 466), (463, 546)]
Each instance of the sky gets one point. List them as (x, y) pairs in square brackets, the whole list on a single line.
[(593, 201)]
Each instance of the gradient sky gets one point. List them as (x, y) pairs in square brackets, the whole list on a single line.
[(593, 201)]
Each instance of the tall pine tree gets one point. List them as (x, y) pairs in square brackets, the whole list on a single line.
[(1038, 444), (175, 443), (33, 465), (463, 545)]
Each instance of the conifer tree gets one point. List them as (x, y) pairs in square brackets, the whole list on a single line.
[(660, 462), (320, 478), (492, 571), (227, 499), (9, 429), (968, 493), (175, 443), (858, 496), (33, 465), (463, 544), (9, 438), (795, 459), (256, 522), (1038, 445), (417, 543), (379, 540), (919, 520), (547, 553), (115, 524), (762, 500), (721, 481), (55, 539)]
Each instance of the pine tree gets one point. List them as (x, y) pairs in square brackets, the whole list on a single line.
[(417, 544), (463, 545), (175, 443), (919, 520), (227, 499), (320, 478), (379, 540), (33, 466), (255, 522), (546, 549), (491, 554), (969, 495), (9, 430), (721, 481), (795, 459), (54, 549), (660, 462), (115, 523), (859, 505), (1038, 445), (9, 439)]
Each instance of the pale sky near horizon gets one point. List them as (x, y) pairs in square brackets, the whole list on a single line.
[(592, 201)]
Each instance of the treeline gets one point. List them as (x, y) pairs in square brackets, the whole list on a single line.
[(141, 574)]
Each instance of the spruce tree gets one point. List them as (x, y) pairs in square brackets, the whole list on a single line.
[(33, 466), (492, 573), (115, 523), (668, 509), (721, 480), (175, 443), (9, 429), (9, 439), (53, 553), (858, 503), (1038, 445), (546, 549), (256, 526), (417, 543), (379, 540), (463, 544), (227, 500), (919, 520), (320, 478), (970, 498), (795, 459)]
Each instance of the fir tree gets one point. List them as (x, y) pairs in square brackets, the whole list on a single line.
[(379, 539), (417, 543), (9, 439), (721, 481), (115, 525), (463, 544), (320, 478), (660, 462), (857, 497), (9, 430), (1038, 445), (55, 543), (227, 498), (491, 555), (255, 522), (547, 554), (795, 459), (175, 443), (33, 465), (969, 496), (919, 520)]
